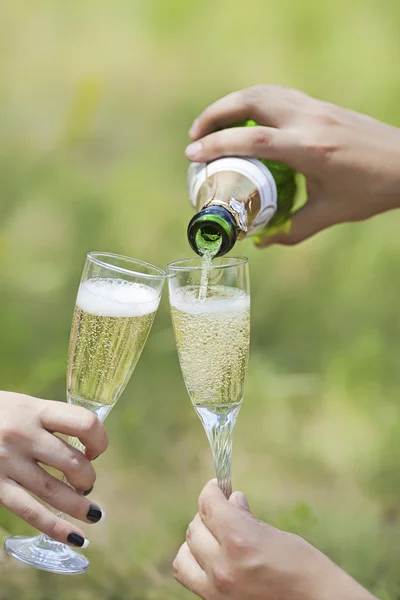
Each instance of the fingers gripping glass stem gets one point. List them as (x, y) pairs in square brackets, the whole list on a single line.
[(45, 539)]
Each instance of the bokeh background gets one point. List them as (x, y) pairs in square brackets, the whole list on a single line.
[(96, 98)]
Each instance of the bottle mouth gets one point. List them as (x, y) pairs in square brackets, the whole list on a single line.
[(212, 231)]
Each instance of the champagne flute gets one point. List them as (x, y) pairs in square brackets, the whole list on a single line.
[(210, 309), (117, 301)]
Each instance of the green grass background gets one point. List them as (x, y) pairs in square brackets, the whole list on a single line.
[(96, 98)]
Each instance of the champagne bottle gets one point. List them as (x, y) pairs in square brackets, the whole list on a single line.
[(238, 197)]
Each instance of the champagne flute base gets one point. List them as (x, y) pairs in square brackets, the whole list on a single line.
[(46, 554)]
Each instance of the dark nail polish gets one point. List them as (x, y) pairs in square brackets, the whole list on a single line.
[(94, 514), (76, 540), (89, 491)]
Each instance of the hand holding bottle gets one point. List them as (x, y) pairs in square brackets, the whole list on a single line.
[(229, 553), (27, 427), (351, 162)]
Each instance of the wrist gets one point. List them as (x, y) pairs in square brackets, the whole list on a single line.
[(341, 585), (388, 170)]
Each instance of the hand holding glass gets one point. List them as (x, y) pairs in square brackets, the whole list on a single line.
[(117, 301)]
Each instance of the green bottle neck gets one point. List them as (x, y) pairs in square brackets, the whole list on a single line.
[(212, 232)]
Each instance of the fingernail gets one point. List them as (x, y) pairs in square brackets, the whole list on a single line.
[(89, 491), (241, 500), (77, 540), (95, 515), (96, 457), (193, 150), (194, 128)]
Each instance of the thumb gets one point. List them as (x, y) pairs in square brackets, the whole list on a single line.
[(239, 500), (305, 223)]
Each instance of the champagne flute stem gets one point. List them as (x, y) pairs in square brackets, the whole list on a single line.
[(219, 425)]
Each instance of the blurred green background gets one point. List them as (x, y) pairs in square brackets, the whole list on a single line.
[(96, 98)]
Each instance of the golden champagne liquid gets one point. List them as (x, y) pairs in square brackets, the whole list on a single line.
[(212, 338), (111, 322)]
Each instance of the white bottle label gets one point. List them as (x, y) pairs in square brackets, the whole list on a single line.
[(253, 169)]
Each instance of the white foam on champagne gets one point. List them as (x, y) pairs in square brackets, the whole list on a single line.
[(225, 300), (116, 298)]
